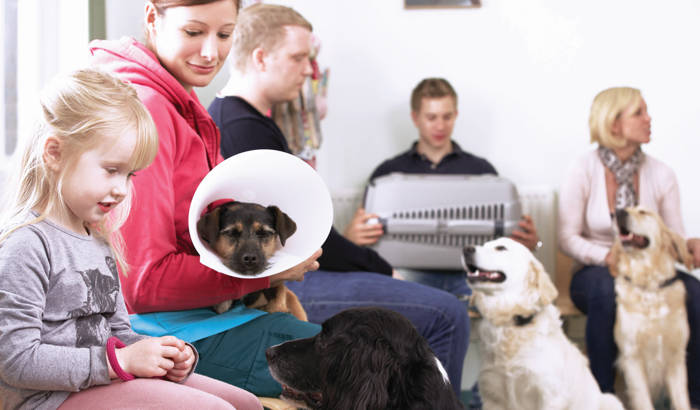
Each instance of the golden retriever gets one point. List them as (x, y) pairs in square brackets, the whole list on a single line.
[(651, 325), (527, 361)]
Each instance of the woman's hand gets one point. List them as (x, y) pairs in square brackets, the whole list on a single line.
[(297, 273), (694, 249), (609, 259), (152, 357), (360, 232), (527, 234)]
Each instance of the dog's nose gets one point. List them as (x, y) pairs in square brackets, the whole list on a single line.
[(469, 250), (620, 215), (270, 353), (250, 259)]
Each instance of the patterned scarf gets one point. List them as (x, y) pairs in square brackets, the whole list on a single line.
[(624, 174)]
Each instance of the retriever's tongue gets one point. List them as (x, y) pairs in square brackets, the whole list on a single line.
[(638, 240), (627, 238)]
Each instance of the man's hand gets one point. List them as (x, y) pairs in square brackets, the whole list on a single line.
[(297, 273), (360, 232), (527, 234)]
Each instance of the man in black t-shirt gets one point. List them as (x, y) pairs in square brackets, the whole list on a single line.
[(270, 55)]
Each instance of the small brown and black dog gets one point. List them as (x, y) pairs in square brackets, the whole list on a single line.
[(244, 236)]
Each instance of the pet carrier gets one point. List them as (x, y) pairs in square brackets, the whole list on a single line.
[(428, 219)]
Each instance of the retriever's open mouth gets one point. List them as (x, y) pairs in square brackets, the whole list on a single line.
[(633, 240), (476, 274), (313, 398)]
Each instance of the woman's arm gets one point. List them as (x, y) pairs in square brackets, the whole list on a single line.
[(573, 201), (166, 273)]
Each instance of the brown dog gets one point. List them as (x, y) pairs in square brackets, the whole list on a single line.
[(244, 236), (651, 325)]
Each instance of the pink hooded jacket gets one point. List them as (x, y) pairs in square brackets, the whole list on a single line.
[(165, 271)]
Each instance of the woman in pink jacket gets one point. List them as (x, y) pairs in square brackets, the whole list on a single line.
[(187, 42)]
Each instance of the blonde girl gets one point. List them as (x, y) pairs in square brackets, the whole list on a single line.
[(65, 337)]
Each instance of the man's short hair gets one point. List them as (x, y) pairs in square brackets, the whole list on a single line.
[(262, 25), (431, 88), (607, 107)]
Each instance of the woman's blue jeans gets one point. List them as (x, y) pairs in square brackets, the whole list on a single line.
[(593, 293), (439, 316)]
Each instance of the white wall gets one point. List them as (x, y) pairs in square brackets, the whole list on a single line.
[(525, 71), (52, 37)]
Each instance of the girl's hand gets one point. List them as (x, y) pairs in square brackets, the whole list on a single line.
[(362, 233), (150, 357), (297, 273), (183, 365)]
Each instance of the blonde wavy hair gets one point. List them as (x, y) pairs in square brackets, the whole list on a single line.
[(262, 25), (82, 109), (607, 107)]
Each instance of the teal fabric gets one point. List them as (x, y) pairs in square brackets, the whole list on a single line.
[(237, 356), (192, 325)]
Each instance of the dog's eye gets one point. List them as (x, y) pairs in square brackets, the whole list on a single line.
[(262, 234), (233, 233), (501, 248)]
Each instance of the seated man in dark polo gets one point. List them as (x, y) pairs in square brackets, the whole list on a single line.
[(434, 111)]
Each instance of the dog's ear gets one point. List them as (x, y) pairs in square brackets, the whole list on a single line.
[(677, 246), (358, 377), (541, 281), (284, 225), (208, 225)]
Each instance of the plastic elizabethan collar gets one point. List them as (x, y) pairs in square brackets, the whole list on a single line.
[(268, 177)]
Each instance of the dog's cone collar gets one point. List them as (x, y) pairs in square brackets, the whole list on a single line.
[(268, 177)]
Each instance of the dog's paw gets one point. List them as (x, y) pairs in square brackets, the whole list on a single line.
[(223, 306)]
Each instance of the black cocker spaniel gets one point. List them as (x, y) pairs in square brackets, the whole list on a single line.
[(363, 358)]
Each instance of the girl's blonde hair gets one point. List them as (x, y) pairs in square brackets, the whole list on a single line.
[(607, 107), (82, 109)]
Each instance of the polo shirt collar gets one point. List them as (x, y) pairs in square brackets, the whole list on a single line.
[(456, 150)]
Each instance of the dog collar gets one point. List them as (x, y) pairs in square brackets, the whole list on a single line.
[(666, 283)]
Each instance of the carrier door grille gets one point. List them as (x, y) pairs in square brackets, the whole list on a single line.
[(495, 212)]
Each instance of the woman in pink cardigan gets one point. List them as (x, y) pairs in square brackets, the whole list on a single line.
[(615, 175)]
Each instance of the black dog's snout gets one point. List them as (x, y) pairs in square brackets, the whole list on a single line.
[(469, 250), (250, 258), (270, 353)]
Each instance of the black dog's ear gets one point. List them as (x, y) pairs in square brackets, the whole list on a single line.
[(284, 225), (208, 225), (359, 377)]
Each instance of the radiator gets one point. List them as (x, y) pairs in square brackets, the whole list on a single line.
[(538, 201)]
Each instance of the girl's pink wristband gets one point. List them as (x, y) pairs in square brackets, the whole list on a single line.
[(112, 343)]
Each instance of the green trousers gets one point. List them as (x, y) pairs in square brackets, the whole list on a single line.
[(237, 356)]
